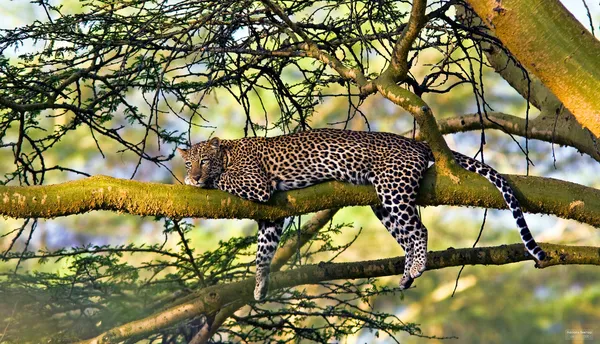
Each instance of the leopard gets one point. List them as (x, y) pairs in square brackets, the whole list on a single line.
[(253, 168)]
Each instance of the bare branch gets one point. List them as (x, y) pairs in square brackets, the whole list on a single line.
[(561, 129)]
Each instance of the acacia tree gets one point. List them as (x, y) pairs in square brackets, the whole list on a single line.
[(137, 75)]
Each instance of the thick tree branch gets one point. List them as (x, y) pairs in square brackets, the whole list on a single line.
[(554, 46), (527, 84), (210, 299), (536, 194), (555, 123)]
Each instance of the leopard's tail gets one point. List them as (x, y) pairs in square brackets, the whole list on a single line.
[(507, 193)]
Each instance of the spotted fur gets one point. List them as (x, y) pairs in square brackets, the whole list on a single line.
[(253, 168)]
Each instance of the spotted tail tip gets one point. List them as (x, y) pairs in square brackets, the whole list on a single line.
[(539, 253)]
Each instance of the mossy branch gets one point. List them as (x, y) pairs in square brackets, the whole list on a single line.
[(536, 194), (211, 299)]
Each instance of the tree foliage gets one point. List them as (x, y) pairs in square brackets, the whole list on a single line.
[(129, 81)]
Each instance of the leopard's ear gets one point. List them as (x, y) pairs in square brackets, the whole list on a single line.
[(214, 143), (182, 152)]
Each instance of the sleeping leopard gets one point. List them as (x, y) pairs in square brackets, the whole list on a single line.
[(255, 167)]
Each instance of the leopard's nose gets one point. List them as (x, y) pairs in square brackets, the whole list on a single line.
[(198, 182)]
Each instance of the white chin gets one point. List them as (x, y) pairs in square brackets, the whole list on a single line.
[(191, 182)]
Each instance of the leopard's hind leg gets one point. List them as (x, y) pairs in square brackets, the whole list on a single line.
[(396, 231), (397, 188)]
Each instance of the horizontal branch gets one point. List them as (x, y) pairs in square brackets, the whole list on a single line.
[(561, 129), (536, 194), (209, 300)]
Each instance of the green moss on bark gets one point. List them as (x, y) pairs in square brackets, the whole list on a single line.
[(537, 195)]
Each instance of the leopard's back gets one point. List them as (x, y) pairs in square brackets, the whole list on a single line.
[(305, 158)]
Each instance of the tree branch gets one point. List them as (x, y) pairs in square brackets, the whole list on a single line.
[(560, 129), (527, 84), (399, 65), (313, 51), (397, 71), (208, 300), (536, 194)]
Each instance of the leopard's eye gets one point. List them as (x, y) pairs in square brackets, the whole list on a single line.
[(188, 164), (203, 161)]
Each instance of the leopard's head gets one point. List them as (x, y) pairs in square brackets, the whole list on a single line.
[(204, 163)]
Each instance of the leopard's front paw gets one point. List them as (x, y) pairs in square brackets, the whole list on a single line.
[(262, 285)]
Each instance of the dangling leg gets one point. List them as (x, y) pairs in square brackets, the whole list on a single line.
[(398, 213), (419, 247), (269, 233), (384, 216)]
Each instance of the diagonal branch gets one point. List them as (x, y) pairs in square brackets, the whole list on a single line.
[(399, 66), (555, 118), (397, 71), (313, 51), (208, 300), (558, 49), (386, 83), (555, 123)]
